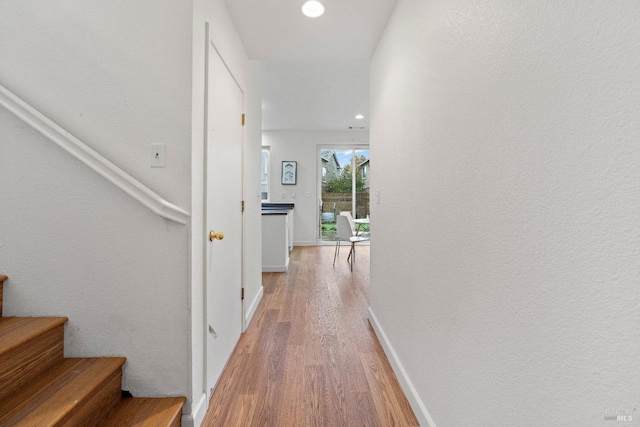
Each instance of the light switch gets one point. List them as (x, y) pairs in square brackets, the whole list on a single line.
[(157, 155)]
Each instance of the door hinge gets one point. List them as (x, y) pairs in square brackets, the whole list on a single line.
[(243, 119), (242, 206), (242, 294)]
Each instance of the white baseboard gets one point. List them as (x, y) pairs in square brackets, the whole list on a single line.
[(252, 308), (418, 407), (275, 268), (305, 243), (195, 418)]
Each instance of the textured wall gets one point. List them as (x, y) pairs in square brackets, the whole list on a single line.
[(511, 294), (74, 245), (252, 194), (116, 75)]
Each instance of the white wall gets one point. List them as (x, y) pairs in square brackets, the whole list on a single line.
[(74, 245), (112, 74), (302, 146), (252, 194), (508, 131)]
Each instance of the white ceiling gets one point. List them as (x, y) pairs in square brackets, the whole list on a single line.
[(315, 70), (316, 96)]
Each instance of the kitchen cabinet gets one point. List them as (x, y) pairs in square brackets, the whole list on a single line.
[(277, 236)]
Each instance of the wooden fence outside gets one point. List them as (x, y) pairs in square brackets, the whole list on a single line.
[(338, 202)]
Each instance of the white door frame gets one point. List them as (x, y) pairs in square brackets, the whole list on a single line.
[(330, 146)]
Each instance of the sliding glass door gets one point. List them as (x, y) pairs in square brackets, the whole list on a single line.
[(344, 186)]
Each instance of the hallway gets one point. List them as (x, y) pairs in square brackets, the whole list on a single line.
[(309, 356)]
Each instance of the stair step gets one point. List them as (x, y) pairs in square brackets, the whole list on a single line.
[(75, 392), (28, 346), (146, 412), (39, 387)]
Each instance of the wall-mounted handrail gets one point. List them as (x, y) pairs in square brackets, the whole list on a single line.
[(91, 158)]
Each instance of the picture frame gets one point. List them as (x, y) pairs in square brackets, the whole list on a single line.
[(289, 172)]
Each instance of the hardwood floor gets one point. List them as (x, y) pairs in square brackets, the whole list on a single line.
[(310, 357)]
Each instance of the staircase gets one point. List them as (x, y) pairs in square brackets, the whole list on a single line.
[(40, 387)]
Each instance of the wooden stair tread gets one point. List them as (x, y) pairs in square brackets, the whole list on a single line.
[(39, 387), (145, 412), (15, 331), (28, 347), (69, 386)]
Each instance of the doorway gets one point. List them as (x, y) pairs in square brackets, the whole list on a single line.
[(224, 100), (343, 181)]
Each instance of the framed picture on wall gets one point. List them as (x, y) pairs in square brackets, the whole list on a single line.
[(289, 172)]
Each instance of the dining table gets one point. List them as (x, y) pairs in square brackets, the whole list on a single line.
[(359, 222)]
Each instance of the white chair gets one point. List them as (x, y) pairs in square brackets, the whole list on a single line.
[(354, 230), (344, 233)]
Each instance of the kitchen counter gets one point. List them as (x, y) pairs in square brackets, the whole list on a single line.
[(277, 236), (268, 208)]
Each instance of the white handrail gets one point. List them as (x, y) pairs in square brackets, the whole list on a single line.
[(91, 158)]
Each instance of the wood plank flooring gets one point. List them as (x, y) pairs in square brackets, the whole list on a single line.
[(310, 357)]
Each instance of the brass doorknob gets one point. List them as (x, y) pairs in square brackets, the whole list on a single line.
[(215, 236)]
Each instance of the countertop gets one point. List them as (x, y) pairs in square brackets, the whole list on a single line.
[(277, 208)]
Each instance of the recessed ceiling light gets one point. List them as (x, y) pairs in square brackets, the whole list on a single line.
[(359, 117), (313, 8)]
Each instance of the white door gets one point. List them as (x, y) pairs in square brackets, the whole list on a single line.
[(223, 190)]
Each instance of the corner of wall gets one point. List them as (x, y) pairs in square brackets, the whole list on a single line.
[(418, 407), (252, 308), (199, 410)]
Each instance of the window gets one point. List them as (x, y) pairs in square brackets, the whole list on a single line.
[(324, 174), (264, 175)]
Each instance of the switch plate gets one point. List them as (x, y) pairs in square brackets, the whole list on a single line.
[(157, 155)]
